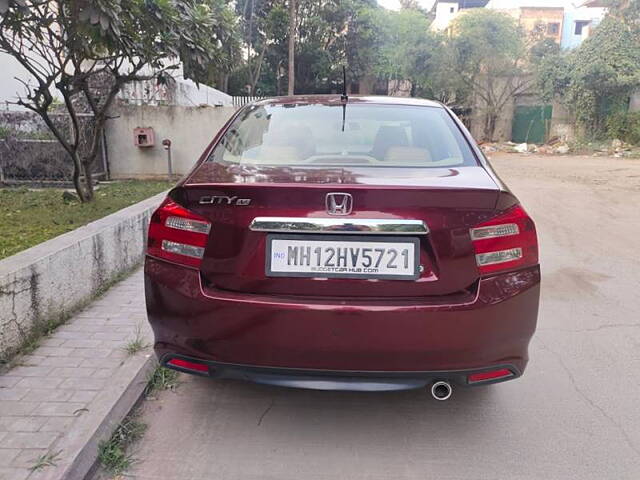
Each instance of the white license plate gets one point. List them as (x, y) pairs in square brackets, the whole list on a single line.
[(390, 258)]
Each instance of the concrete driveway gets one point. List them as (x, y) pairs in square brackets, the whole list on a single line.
[(574, 415)]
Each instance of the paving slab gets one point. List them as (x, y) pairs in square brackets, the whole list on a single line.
[(72, 391)]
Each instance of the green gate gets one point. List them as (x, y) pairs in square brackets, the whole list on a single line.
[(530, 123)]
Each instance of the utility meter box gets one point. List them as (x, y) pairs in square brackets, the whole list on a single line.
[(143, 137)]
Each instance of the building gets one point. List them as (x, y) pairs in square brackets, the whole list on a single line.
[(579, 23), (446, 11), (535, 17), (567, 22), (178, 92)]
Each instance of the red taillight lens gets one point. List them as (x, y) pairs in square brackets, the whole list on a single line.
[(505, 242), (491, 375), (177, 234), (179, 362)]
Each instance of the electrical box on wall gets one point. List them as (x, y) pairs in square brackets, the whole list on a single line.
[(143, 137)]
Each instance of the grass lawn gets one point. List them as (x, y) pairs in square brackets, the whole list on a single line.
[(29, 217)]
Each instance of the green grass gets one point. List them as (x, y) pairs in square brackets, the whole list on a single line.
[(136, 344), (49, 459), (162, 378), (113, 454), (29, 217)]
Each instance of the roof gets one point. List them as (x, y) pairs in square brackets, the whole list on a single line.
[(594, 3), (462, 4), (335, 99), (472, 3), (513, 4)]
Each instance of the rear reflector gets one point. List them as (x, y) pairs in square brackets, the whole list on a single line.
[(491, 375), (179, 362), (505, 242)]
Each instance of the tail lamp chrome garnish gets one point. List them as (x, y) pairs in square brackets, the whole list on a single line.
[(494, 231), (188, 224)]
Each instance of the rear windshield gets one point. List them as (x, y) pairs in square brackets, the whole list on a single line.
[(350, 135)]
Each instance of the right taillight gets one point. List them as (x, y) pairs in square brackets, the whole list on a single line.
[(505, 242), (178, 234)]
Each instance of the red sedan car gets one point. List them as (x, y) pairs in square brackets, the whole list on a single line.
[(359, 243)]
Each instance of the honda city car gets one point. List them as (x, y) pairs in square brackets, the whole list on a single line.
[(334, 242)]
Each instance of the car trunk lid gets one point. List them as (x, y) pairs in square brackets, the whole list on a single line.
[(448, 201)]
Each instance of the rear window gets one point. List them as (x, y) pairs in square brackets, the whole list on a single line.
[(350, 135)]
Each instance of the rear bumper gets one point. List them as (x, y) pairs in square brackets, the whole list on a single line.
[(240, 333), (336, 380)]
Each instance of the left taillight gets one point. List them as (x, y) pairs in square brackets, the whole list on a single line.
[(177, 234), (505, 242)]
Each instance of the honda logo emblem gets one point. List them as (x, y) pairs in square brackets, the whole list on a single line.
[(339, 203)]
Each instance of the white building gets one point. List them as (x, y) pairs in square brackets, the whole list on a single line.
[(181, 92), (447, 10)]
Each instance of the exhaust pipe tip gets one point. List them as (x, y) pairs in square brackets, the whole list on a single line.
[(441, 390)]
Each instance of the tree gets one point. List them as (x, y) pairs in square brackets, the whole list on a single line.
[(86, 50), (264, 25), (225, 29), (409, 48), (596, 79), (292, 36), (488, 56)]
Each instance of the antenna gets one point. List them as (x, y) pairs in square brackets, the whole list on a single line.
[(344, 96)]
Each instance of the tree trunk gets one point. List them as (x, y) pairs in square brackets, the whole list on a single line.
[(292, 32), (490, 126), (85, 194), (256, 75), (88, 180)]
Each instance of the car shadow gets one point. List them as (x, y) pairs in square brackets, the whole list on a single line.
[(299, 410)]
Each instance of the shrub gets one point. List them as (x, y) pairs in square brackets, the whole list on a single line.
[(625, 126)]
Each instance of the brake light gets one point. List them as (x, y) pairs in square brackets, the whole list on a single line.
[(177, 234), (505, 242)]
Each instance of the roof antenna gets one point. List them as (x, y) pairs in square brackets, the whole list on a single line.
[(344, 98)]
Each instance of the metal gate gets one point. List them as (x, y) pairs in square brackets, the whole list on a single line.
[(531, 123)]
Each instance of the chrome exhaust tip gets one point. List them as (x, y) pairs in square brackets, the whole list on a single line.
[(441, 390)]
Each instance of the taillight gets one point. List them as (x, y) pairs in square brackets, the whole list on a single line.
[(505, 242), (177, 234)]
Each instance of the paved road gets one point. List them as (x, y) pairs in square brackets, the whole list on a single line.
[(574, 415)]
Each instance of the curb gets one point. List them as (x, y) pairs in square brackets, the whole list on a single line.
[(80, 446)]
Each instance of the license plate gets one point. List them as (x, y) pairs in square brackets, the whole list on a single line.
[(391, 258)]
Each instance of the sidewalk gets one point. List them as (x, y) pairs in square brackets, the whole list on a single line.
[(70, 392)]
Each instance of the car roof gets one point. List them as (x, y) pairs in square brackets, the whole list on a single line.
[(335, 99)]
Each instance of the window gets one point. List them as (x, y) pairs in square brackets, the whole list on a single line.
[(553, 28), (452, 9), (580, 26), (370, 135)]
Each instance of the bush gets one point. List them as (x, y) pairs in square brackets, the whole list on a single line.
[(625, 126)]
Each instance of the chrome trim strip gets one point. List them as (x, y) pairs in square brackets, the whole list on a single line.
[(364, 226)]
